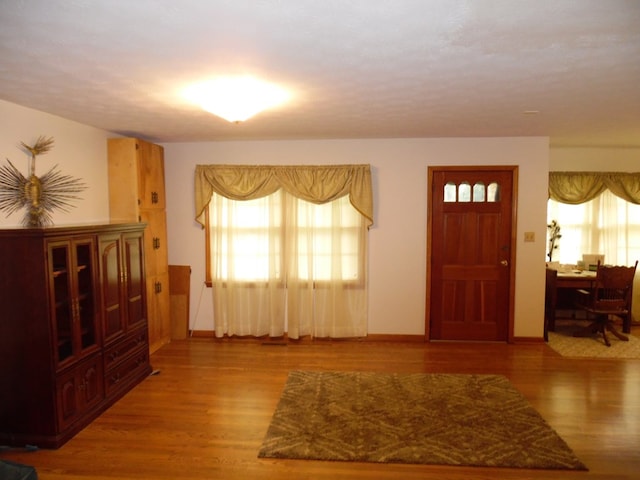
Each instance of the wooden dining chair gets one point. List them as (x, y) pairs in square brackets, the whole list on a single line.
[(609, 297)]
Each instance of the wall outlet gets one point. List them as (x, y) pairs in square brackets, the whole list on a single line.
[(529, 236)]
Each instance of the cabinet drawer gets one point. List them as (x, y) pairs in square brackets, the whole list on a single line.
[(117, 352), (128, 371)]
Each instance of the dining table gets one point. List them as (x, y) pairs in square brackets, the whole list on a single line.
[(561, 286), (560, 295), (575, 279)]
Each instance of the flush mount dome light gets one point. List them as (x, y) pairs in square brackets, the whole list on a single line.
[(236, 98)]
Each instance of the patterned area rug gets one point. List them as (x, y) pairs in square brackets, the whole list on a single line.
[(563, 342), (476, 420)]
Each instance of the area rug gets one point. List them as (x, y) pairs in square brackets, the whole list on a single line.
[(443, 419), (563, 342)]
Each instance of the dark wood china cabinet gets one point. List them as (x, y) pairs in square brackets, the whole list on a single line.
[(73, 329)]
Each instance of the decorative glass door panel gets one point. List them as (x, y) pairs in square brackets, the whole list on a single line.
[(86, 294), (112, 284), (72, 285), (61, 300), (135, 286)]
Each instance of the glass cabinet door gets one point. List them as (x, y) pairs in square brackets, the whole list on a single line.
[(73, 297), (62, 302), (135, 286), (112, 275), (85, 274)]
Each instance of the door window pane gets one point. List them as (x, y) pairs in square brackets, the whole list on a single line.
[(464, 192), (493, 192), (478, 192), (450, 192)]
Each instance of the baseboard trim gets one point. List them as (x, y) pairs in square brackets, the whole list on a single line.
[(372, 338), (527, 340), (202, 333), (376, 337)]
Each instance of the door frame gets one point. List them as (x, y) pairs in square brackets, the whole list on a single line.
[(513, 237)]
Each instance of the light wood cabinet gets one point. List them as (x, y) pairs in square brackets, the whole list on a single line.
[(137, 194), (73, 332)]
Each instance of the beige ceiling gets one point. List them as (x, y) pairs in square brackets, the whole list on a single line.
[(357, 68)]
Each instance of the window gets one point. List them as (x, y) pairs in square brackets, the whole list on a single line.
[(463, 192), (605, 225), (286, 248), (321, 244), (252, 241), (244, 239)]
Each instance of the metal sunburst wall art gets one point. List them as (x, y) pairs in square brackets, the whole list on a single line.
[(39, 196)]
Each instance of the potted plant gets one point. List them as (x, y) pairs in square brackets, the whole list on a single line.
[(554, 235)]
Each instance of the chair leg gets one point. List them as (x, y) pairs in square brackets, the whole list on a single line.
[(603, 331), (599, 325), (610, 326)]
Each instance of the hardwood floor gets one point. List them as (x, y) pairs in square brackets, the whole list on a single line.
[(205, 414)]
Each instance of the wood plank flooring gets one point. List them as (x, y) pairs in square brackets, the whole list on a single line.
[(205, 414)]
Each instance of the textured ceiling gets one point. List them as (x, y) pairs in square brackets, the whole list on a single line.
[(357, 68)]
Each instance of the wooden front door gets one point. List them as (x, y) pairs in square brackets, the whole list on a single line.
[(470, 269)]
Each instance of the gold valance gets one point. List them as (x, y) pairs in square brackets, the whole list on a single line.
[(580, 187), (316, 184)]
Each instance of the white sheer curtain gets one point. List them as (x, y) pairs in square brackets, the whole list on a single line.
[(245, 247), (605, 225), (326, 274), (281, 264)]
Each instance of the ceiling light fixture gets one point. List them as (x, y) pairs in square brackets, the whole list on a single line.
[(236, 98)]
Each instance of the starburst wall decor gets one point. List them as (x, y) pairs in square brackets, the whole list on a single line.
[(40, 196)]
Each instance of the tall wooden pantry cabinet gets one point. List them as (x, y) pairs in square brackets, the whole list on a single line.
[(73, 327), (137, 194)]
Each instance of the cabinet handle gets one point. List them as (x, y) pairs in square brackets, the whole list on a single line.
[(154, 197), (156, 243), (158, 287)]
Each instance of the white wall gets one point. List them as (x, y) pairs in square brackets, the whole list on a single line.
[(397, 255), (594, 160), (78, 150)]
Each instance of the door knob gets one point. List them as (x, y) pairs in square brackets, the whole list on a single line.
[(504, 263)]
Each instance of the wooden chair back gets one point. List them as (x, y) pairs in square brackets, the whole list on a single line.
[(612, 289)]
